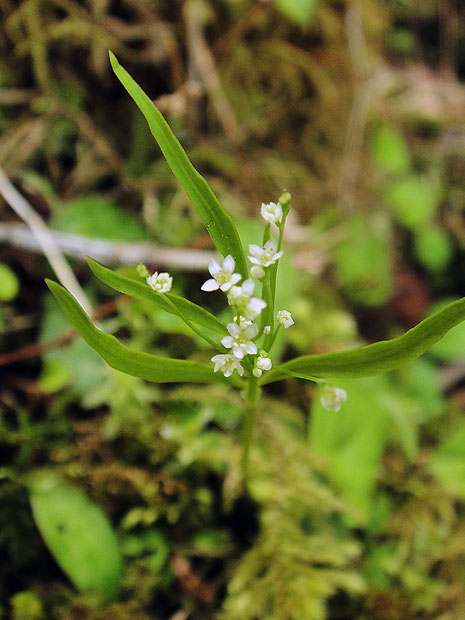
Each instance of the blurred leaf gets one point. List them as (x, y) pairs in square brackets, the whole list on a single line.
[(375, 358), (354, 438), (420, 379), (74, 364), (363, 261), (150, 543), (78, 534), (144, 365), (389, 151), (433, 247), (98, 218), (218, 223), (141, 290), (300, 11), (9, 284), (413, 201), (211, 542), (447, 462), (54, 376), (26, 606)]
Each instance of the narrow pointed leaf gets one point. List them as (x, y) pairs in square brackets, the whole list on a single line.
[(218, 223), (375, 358), (136, 363), (141, 290)]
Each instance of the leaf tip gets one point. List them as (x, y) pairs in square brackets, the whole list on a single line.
[(113, 60)]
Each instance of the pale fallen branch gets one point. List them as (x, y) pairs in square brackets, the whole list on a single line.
[(109, 252), (44, 239)]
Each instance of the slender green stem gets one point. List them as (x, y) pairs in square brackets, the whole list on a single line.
[(252, 395), (269, 340)]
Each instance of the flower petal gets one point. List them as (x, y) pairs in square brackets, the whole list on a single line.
[(251, 348), (248, 287), (229, 264), (210, 285), (255, 250), (227, 342), (214, 268)]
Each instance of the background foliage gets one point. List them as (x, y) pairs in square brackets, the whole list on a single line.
[(357, 109)]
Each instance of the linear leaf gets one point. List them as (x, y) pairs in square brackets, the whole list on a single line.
[(218, 223), (375, 358), (142, 291), (136, 363)]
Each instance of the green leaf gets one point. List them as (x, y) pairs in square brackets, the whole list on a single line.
[(9, 284), (138, 364), (447, 463), (353, 439), (141, 290), (363, 260), (218, 223), (375, 358), (413, 201), (78, 534), (98, 218), (300, 11), (389, 151), (433, 247)]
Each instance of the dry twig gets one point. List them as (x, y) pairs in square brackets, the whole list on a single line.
[(44, 238)]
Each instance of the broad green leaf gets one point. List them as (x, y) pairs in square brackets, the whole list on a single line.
[(138, 364), (300, 11), (78, 534), (9, 284), (354, 438), (375, 358), (74, 365), (447, 463), (433, 247), (413, 201), (389, 151), (218, 223), (363, 260), (98, 218), (141, 290)]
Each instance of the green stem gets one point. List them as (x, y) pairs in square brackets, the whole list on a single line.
[(271, 337), (252, 395)]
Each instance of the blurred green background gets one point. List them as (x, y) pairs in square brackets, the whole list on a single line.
[(357, 107)]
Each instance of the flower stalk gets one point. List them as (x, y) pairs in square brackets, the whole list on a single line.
[(252, 396)]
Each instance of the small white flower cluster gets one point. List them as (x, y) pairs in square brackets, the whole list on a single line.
[(332, 397), (243, 330), (160, 282)]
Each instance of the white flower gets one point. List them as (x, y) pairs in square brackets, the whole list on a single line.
[(223, 277), (241, 297), (285, 318), (227, 364), (257, 272), (267, 329), (160, 282), (272, 212), (240, 340), (264, 257), (264, 362), (332, 397)]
